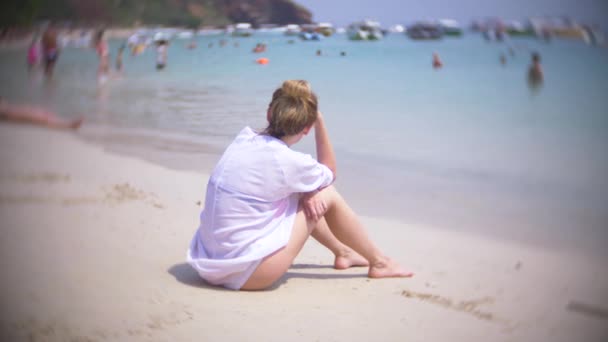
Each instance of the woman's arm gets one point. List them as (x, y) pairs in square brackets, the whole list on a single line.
[(325, 151)]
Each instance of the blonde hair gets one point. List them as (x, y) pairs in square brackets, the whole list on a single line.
[(292, 109)]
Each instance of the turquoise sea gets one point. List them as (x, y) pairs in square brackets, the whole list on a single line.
[(470, 147)]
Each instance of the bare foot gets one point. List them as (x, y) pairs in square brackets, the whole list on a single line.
[(349, 259), (386, 269)]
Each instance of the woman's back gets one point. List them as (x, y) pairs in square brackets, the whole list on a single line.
[(250, 167), (251, 200)]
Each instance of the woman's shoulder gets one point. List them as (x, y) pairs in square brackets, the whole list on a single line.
[(246, 132), (289, 158)]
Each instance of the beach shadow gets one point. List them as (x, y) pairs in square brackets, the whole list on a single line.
[(186, 275), (308, 266), (317, 276)]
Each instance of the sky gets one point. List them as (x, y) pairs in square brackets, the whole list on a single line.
[(391, 12)]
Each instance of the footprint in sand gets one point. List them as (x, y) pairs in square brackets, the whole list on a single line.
[(120, 193), (47, 331), (467, 306), (116, 194), (42, 177)]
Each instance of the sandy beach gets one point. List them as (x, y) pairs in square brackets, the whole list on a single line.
[(93, 248)]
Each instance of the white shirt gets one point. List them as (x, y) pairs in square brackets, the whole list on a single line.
[(251, 202)]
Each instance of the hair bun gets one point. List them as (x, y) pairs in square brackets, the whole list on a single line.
[(296, 89)]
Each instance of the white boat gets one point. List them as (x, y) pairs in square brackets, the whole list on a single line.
[(365, 30), (184, 35), (397, 29), (270, 28), (210, 31), (326, 29), (292, 30), (450, 27), (158, 36), (242, 30)]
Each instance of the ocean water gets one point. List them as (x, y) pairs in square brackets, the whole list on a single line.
[(470, 147)]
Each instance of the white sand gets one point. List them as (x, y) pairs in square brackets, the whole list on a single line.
[(92, 247)]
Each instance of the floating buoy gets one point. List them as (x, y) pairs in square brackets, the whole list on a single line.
[(262, 60)]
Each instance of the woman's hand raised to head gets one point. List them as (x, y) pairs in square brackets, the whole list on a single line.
[(325, 152), (319, 115)]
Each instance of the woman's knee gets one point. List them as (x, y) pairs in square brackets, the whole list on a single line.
[(330, 195)]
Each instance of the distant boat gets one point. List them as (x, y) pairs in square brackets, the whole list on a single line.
[(326, 29), (424, 31), (450, 27), (161, 36), (242, 30), (397, 29), (497, 34), (365, 30), (518, 29), (210, 31), (593, 36), (184, 35), (292, 30), (309, 32), (310, 35), (557, 27)]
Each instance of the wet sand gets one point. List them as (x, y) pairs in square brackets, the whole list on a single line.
[(93, 248)]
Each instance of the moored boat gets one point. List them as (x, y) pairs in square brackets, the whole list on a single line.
[(242, 30), (365, 30), (424, 31), (292, 30), (450, 27), (326, 29)]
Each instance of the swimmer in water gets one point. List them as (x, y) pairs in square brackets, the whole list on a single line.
[(535, 72), (437, 64)]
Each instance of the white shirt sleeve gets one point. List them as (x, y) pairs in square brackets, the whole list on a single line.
[(303, 173)]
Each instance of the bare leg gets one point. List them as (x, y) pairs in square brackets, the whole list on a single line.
[(48, 119), (56, 122), (37, 116), (275, 265), (345, 225), (345, 256)]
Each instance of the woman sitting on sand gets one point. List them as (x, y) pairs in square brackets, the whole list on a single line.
[(263, 200)]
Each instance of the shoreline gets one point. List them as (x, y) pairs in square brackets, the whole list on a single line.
[(180, 152), (112, 233)]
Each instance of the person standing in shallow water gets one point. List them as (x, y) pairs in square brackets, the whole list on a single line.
[(535, 72), (103, 53), (119, 54), (264, 200), (33, 53), (50, 50), (437, 64), (161, 54)]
